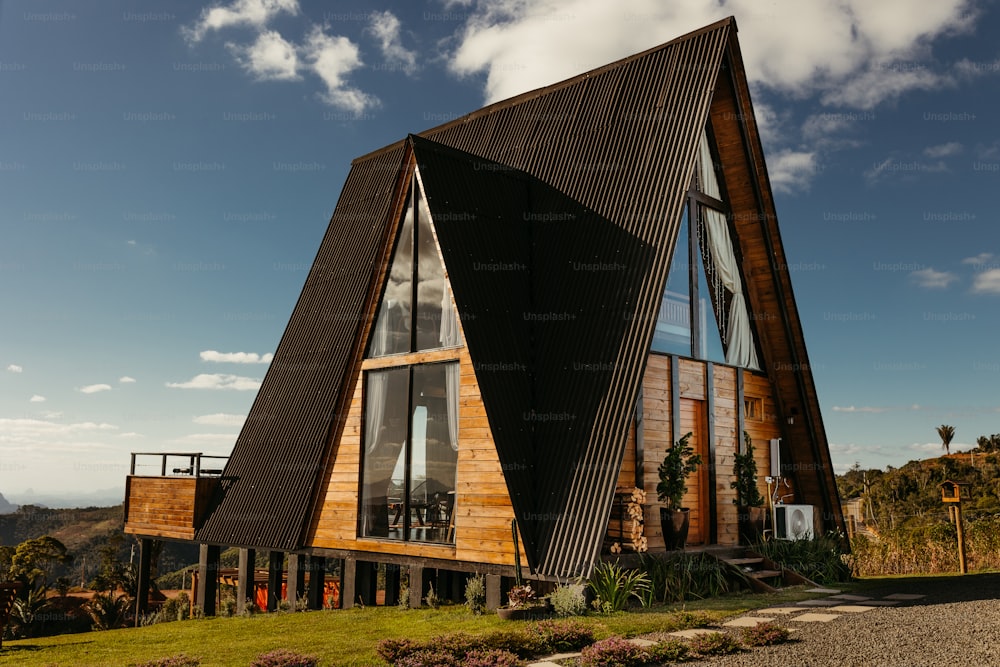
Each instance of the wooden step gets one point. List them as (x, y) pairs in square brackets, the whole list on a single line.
[(739, 562), (764, 574)]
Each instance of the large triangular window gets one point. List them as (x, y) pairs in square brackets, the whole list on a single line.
[(411, 425), (703, 312), (416, 276)]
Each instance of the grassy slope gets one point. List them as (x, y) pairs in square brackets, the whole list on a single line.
[(337, 637)]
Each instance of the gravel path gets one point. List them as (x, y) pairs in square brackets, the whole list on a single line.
[(957, 623)]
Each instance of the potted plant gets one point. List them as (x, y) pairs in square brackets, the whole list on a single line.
[(748, 501), (680, 461), (520, 603)]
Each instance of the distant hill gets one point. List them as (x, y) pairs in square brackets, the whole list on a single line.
[(84, 531), (6, 507)]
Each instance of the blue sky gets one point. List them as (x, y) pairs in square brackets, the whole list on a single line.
[(167, 171)]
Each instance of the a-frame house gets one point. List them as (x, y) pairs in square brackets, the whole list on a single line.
[(511, 317)]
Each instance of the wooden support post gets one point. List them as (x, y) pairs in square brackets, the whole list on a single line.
[(317, 580), (961, 539), (392, 577), (366, 587), (296, 579), (492, 591), (416, 586), (142, 581), (275, 572), (245, 591), (208, 578), (348, 576)]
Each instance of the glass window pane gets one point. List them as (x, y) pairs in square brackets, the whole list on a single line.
[(435, 316), (673, 323), (710, 298), (435, 451), (391, 334), (386, 407)]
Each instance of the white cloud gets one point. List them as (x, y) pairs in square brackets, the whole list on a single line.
[(865, 408), (220, 419), (37, 399), (125, 379), (943, 150), (791, 170), (236, 357), (19, 431), (218, 381), (979, 259), (936, 449), (270, 58), (94, 388), (332, 59), (933, 279), (131, 434), (253, 13), (385, 27), (14, 368), (987, 282)]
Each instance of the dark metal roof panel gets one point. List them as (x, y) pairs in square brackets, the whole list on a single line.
[(272, 473)]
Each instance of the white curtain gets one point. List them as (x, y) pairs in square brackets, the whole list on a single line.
[(452, 383), (449, 322), (740, 348)]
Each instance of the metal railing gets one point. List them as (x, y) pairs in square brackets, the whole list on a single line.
[(190, 463)]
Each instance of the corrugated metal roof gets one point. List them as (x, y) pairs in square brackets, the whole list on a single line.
[(609, 154)]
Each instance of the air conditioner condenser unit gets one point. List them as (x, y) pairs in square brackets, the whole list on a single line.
[(793, 522)]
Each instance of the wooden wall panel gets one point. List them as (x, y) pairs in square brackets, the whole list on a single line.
[(726, 443), (763, 429), (170, 507), (657, 438), (483, 510)]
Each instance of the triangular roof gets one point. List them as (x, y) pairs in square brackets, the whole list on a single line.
[(588, 173)]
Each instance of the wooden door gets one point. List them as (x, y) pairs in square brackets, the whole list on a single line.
[(696, 497)]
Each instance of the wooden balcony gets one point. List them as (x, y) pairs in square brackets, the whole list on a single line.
[(170, 500)]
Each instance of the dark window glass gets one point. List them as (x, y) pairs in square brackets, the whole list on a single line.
[(391, 334), (673, 323), (387, 398)]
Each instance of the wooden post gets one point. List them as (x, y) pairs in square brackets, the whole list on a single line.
[(961, 539), (296, 579), (208, 578), (348, 576), (392, 577), (142, 580), (416, 586), (317, 576), (245, 575), (275, 570), (492, 591)]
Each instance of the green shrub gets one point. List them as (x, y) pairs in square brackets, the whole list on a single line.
[(614, 586), (561, 636), (819, 559), (284, 658), (475, 594), (669, 650), (490, 658), (713, 643), (519, 642), (569, 600), (679, 576), (764, 634), (614, 652), (392, 650)]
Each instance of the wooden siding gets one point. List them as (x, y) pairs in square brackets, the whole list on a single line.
[(658, 437), (483, 510), (170, 507)]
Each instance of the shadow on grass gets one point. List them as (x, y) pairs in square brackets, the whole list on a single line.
[(8, 649)]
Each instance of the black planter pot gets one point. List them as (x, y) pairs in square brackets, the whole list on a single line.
[(750, 524), (674, 524)]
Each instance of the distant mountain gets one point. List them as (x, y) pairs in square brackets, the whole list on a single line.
[(97, 498), (5, 506)]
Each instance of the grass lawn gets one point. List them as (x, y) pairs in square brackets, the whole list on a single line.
[(336, 637)]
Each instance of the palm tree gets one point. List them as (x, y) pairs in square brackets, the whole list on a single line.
[(947, 433)]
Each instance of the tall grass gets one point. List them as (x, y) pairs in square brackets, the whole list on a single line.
[(927, 549), (679, 576), (819, 559)]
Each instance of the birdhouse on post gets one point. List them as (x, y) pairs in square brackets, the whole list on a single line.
[(953, 492)]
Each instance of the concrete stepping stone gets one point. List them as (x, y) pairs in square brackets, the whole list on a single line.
[(544, 663), (904, 596), (815, 618), (778, 610), (828, 591), (644, 643), (852, 608), (692, 633), (747, 622), (853, 598)]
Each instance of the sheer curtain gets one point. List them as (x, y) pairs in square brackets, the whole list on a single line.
[(452, 383), (740, 348)]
